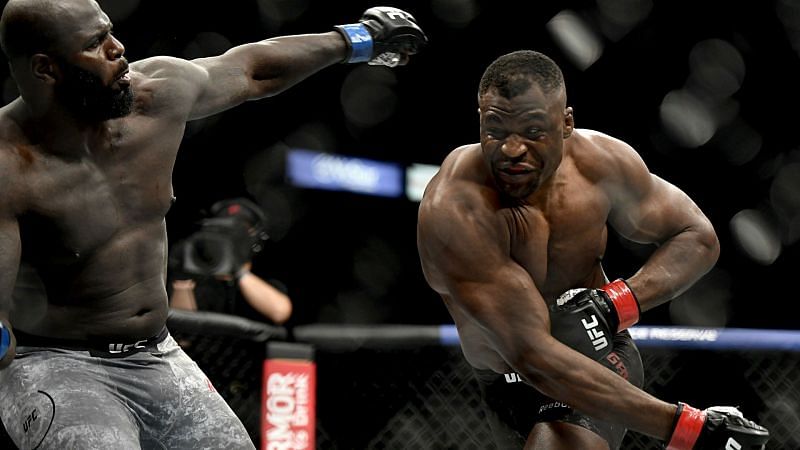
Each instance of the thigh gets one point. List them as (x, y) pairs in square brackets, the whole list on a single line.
[(510, 407), (559, 422), (518, 413), (564, 436), (61, 399), (205, 420)]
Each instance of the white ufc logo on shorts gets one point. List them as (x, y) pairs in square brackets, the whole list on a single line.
[(732, 445), (512, 377)]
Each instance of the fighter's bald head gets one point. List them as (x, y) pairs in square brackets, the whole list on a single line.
[(37, 26)]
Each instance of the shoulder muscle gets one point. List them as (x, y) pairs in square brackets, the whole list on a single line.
[(173, 83), (459, 233)]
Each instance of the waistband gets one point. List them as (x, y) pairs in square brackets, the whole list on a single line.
[(92, 345)]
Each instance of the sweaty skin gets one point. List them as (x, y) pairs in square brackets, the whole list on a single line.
[(509, 224), (83, 203)]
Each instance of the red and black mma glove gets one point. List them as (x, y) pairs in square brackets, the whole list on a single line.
[(716, 428), (382, 36), (587, 319)]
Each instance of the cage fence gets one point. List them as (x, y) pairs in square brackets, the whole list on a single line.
[(425, 396)]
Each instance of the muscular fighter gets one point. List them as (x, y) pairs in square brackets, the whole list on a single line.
[(512, 233), (86, 158)]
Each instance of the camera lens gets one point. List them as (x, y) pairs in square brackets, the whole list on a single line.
[(208, 253)]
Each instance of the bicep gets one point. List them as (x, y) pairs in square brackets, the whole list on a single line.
[(201, 87), (647, 209), (464, 259), (224, 83)]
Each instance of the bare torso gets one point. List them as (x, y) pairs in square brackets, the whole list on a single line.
[(83, 210), (92, 223), (559, 238)]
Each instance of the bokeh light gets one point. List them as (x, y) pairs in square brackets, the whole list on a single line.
[(706, 304), (455, 13), (686, 119), (755, 236), (576, 38), (367, 95)]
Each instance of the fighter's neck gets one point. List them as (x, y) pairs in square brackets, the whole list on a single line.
[(59, 132)]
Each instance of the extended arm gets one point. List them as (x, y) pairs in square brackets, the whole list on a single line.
[(262, 69)]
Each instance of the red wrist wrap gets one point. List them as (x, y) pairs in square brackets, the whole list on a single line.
[(624, 302), (687, 430)]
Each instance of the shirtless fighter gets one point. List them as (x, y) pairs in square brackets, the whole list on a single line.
[(86, 158), (512, 232)]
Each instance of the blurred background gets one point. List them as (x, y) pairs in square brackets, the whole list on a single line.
[(706, 91)]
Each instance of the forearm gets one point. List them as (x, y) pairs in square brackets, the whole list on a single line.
[(675, 266), (183, 295), (587, 386), (10, 252), (5, 309), (276, 64), (570, 377), (8, 342), (265, 298)]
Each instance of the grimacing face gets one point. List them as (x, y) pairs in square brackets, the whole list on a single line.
[(522, 138)]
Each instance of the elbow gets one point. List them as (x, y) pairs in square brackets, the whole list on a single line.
[(282, 71), (261, 68), (708, 243), (265, 87), (282, 313), (714, 251)]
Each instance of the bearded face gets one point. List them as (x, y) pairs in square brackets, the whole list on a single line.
[(85, 94)]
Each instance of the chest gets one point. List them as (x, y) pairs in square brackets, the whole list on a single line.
[(562, 242), (77, 204)]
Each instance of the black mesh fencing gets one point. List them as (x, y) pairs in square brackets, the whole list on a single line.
[(426, 397), (381, 394)]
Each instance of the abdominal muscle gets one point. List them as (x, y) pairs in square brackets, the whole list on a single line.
[(137, 312), (117, 292)]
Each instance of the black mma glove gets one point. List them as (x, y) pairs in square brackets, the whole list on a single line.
[(383, 36), (587, 319), (716, 428)]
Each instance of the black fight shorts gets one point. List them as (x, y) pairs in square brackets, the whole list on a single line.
[(514, 407)]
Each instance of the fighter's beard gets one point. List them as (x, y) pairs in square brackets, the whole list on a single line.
[(84, 94)]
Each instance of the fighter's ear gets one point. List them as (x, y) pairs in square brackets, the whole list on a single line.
[(569, 122), (44, 68)]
